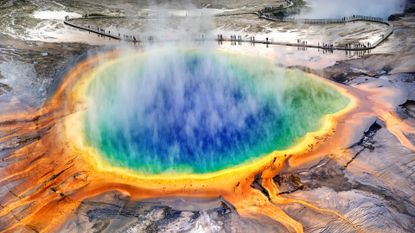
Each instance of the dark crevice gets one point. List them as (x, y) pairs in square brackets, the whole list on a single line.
[(257, 184), (366, 142), (407, 103), (353, 158), (291, 191), (407, 109), (227, 206), (289, 183), (13, 144), (100, 226), (4, 88), (54, 176)]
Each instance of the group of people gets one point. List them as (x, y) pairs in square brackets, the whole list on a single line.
[(236, 38), (302, 42), (125, 37), (357, 52), (128, 37), (358, 46), (326, 45)]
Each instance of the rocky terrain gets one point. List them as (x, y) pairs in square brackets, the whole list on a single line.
[(371, 182)]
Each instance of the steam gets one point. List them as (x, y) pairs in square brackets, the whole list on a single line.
[(175, 107), (54, 15), (179, 22), (340, 8), (181, 106), (195, 110)]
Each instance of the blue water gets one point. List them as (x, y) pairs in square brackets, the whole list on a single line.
[(199, 113)]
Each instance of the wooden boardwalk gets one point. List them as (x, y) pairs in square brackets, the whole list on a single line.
[(266, 15), (354, 18)]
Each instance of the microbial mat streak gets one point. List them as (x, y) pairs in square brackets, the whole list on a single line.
[(172, 123)]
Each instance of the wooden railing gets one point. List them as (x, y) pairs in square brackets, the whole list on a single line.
[(263, 14)]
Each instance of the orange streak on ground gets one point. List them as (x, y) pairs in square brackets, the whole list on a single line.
[(65, 177), (272, 189), (386, 113), (254, 204), (66, 182), (396, 126)]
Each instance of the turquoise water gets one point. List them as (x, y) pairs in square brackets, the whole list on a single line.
[(188, 111)]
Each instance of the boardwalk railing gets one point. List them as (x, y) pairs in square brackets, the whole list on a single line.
[(354, 18), (68, 21), (268, 16)]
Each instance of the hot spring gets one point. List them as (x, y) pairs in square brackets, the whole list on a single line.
[(191, 111)]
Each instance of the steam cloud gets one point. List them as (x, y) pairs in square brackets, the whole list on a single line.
[(342, 8), (180, 21), (193, 111), (200, 111)]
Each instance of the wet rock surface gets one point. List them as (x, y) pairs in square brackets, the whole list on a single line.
[(374, 187), (30, 71), (407, 109), (114, 213)]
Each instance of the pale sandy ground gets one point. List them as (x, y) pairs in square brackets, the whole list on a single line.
[(375, 190)]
